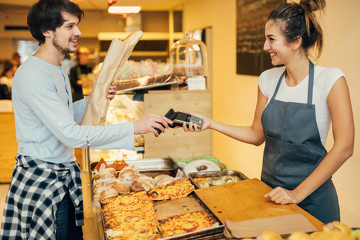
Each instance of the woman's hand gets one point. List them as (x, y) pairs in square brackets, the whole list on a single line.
[(194, 128), (111, 91), (280, 195), (151, 121)]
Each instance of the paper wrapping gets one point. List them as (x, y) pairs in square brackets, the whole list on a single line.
[(117, 55), (283, 225)]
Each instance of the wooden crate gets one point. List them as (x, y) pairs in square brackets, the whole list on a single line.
[(175, 143), (8, 146)]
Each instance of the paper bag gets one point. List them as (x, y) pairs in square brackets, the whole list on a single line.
[(118, 53)]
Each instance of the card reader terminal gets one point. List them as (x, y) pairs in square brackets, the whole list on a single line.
[(179, 118)]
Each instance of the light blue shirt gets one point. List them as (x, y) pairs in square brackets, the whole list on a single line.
[(46, 119)]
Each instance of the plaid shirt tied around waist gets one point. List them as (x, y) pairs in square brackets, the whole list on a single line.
[(36, 189)]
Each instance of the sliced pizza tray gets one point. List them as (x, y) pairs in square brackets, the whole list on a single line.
[(191, 203), (169, 208)]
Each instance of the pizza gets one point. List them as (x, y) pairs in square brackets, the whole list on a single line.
[(136, 236), (177, 189), (132, 214), (186, 223)]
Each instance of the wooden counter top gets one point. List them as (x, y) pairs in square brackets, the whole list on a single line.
[(236, 202), (244, 200)]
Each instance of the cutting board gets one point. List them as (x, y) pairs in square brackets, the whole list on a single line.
[(245, 200)]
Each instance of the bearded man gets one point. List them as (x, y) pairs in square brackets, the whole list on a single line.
[(44, 200)]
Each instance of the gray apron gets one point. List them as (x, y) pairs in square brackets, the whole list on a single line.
[(293, 150)]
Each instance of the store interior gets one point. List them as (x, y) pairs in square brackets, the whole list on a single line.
[(229, 97)]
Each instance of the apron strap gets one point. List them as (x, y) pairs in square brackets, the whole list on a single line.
[(278, 84), (310, 85)]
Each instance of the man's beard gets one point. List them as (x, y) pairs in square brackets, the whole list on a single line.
[(61, 49)]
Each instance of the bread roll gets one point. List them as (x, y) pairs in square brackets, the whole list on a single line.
[(330, 235), (269, 235), (338, 226), (299, 236)]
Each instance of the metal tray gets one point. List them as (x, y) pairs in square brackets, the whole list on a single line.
[(204, 174), (153, 166), (203, 234), (213, 233), (142, 83), (156, 166)]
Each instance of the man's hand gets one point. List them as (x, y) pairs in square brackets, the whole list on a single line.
[(151, 121), (111, 91)]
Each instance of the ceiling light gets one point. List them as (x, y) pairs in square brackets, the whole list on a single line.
[(124, 9)]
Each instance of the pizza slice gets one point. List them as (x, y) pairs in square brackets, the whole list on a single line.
[(177, 189)]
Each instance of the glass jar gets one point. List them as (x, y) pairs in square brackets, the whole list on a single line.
[(188, 57)]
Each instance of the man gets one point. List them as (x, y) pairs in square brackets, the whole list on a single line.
[(45, 199)]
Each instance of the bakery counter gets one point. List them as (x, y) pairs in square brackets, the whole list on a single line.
[(8, 144), (244, 201)]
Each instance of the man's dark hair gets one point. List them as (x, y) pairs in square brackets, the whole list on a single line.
[(46, 15)]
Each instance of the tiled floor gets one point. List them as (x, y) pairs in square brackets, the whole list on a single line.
[(3, 191)]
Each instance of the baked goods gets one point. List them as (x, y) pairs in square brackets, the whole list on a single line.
[(205, 182), (104, 172), (132, 213), (97, 167), (136, 236), (178, 189), (330, 235), (118, 165), (148, 82), (200, 166), (143, 183), (186, 223), (299, 236), (129, 173), (337, 226), (269, 235), (163, 179)]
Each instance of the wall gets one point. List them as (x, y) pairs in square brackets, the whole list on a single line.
[(234, 96)]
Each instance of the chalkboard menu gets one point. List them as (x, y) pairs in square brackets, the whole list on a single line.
[(251, 59)]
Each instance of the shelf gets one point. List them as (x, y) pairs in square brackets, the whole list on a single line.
[(103, 36)]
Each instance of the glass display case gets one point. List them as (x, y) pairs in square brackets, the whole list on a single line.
[(122, 109)]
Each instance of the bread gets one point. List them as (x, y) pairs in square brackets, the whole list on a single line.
[(200, 166), (97, 167), (163, 180), (338, 226), (330, 235), (269, 235), (299, 236), (121, 186), (128, 173)]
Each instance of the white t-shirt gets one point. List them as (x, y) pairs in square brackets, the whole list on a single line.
[(324, 79)]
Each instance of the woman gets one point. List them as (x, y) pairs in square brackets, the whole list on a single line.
[(296, 104)]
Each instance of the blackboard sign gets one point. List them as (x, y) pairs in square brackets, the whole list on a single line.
[(251, 17)]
